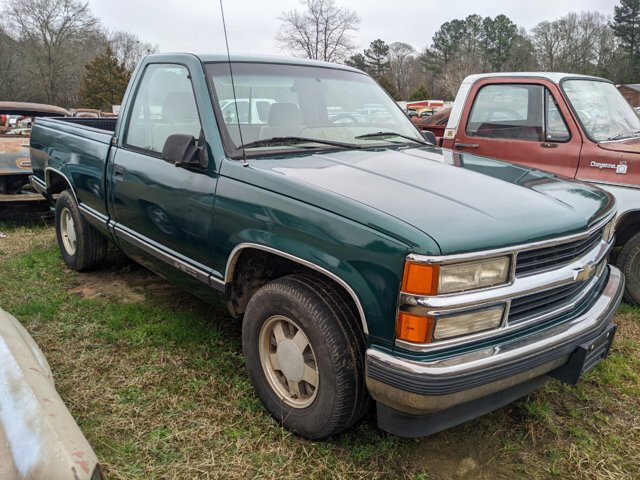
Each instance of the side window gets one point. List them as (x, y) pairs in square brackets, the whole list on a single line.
[(556, 130), (164, 105), (513, 112)]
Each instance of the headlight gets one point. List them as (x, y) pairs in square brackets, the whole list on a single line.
[(473, 275), (427, 279), (426, 329), (607, 233), (467, 323)]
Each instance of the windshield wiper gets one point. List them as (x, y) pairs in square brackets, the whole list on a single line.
[(623, 135), (390, 134), (286, 141)]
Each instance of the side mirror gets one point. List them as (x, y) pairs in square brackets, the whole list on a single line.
[(429, 137), (181, 149)]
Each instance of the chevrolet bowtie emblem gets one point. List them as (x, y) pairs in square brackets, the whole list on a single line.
[(584, 273)]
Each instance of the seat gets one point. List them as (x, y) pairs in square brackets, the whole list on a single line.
[(179, 115), (285, 120)]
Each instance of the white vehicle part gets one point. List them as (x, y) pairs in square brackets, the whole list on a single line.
[(38, 436)]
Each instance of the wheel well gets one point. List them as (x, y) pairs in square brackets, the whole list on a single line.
[(627, 227), (56, 183), (253, 268)]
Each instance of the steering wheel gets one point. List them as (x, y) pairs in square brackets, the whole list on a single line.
[(344, 116)]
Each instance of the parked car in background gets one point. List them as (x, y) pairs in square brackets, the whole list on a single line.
[(573, 125), (433, 122), (362, 261), (15, 165), (38, 436)]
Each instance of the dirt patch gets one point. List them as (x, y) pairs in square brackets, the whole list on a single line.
[(463, 453), (123, 281)]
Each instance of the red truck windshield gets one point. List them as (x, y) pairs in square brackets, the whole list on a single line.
[(326, 104), (603, 111)]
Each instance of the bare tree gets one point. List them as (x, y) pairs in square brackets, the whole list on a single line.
[(52, 34), (321, 31), (402, 58), (129, 49), (573, 43)]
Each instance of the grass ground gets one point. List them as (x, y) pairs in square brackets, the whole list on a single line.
[(156, 380)]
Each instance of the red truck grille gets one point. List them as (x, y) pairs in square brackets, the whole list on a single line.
[(534, 261)]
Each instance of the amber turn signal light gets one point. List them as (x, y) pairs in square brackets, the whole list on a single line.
[(413, 328), (420, 279)]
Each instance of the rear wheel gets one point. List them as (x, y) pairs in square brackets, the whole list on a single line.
[(81, 245), (304, 352), (629, 262)]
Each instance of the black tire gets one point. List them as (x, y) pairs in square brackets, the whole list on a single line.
[(336, 343), (89, 248), (629, 262)]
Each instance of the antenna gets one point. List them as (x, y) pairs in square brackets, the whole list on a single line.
[(233, 88)]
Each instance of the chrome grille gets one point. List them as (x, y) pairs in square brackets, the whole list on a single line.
[(534, 261), (552, 301)]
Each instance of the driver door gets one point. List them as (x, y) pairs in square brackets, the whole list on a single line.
[(521, 123), (163, 213)]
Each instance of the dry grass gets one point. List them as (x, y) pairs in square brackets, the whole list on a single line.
[(156, 380)]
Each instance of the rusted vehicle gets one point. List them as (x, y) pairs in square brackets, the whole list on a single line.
[(573, 125), (38, 436), (435, 123), (15, 165)]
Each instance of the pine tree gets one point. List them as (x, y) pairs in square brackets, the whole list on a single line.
[(626, 26), (104, 82), (377, 58)]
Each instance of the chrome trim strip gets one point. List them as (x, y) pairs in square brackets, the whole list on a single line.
[(539, 343), (235, 254), (605, 182), (446, 259), (46, 177), (94, 217), (39, 186), (200, 272)]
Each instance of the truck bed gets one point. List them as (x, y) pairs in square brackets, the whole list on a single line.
[(77, 150)]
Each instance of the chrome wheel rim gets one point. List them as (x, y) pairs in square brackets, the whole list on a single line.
[(288, 361), (68, 231)]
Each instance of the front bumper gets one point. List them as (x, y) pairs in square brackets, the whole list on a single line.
[(408, 392)]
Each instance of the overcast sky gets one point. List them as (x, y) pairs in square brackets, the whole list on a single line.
[(196, 26)]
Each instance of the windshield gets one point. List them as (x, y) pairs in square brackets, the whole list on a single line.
[(603, 111), (308, 103)]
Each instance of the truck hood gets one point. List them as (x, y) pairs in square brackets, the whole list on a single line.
[(631, 145), (463, 202)]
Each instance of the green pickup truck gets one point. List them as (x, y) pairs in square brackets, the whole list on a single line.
[(363, 262)]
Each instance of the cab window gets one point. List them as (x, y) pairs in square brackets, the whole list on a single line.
[(164, 105), (513, 112)]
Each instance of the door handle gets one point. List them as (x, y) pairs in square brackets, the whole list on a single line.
[(549, 145), (465, 145), (118, 172)]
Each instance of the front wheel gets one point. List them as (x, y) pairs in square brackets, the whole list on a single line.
[(629, 262), (304, 352), (82, 247)]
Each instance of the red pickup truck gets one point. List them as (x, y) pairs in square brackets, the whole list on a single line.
[(573, 125)]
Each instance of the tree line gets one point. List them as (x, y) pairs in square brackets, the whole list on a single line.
[(585, 43), (58, 52)]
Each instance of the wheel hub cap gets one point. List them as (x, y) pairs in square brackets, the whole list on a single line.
[(290, 360)]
